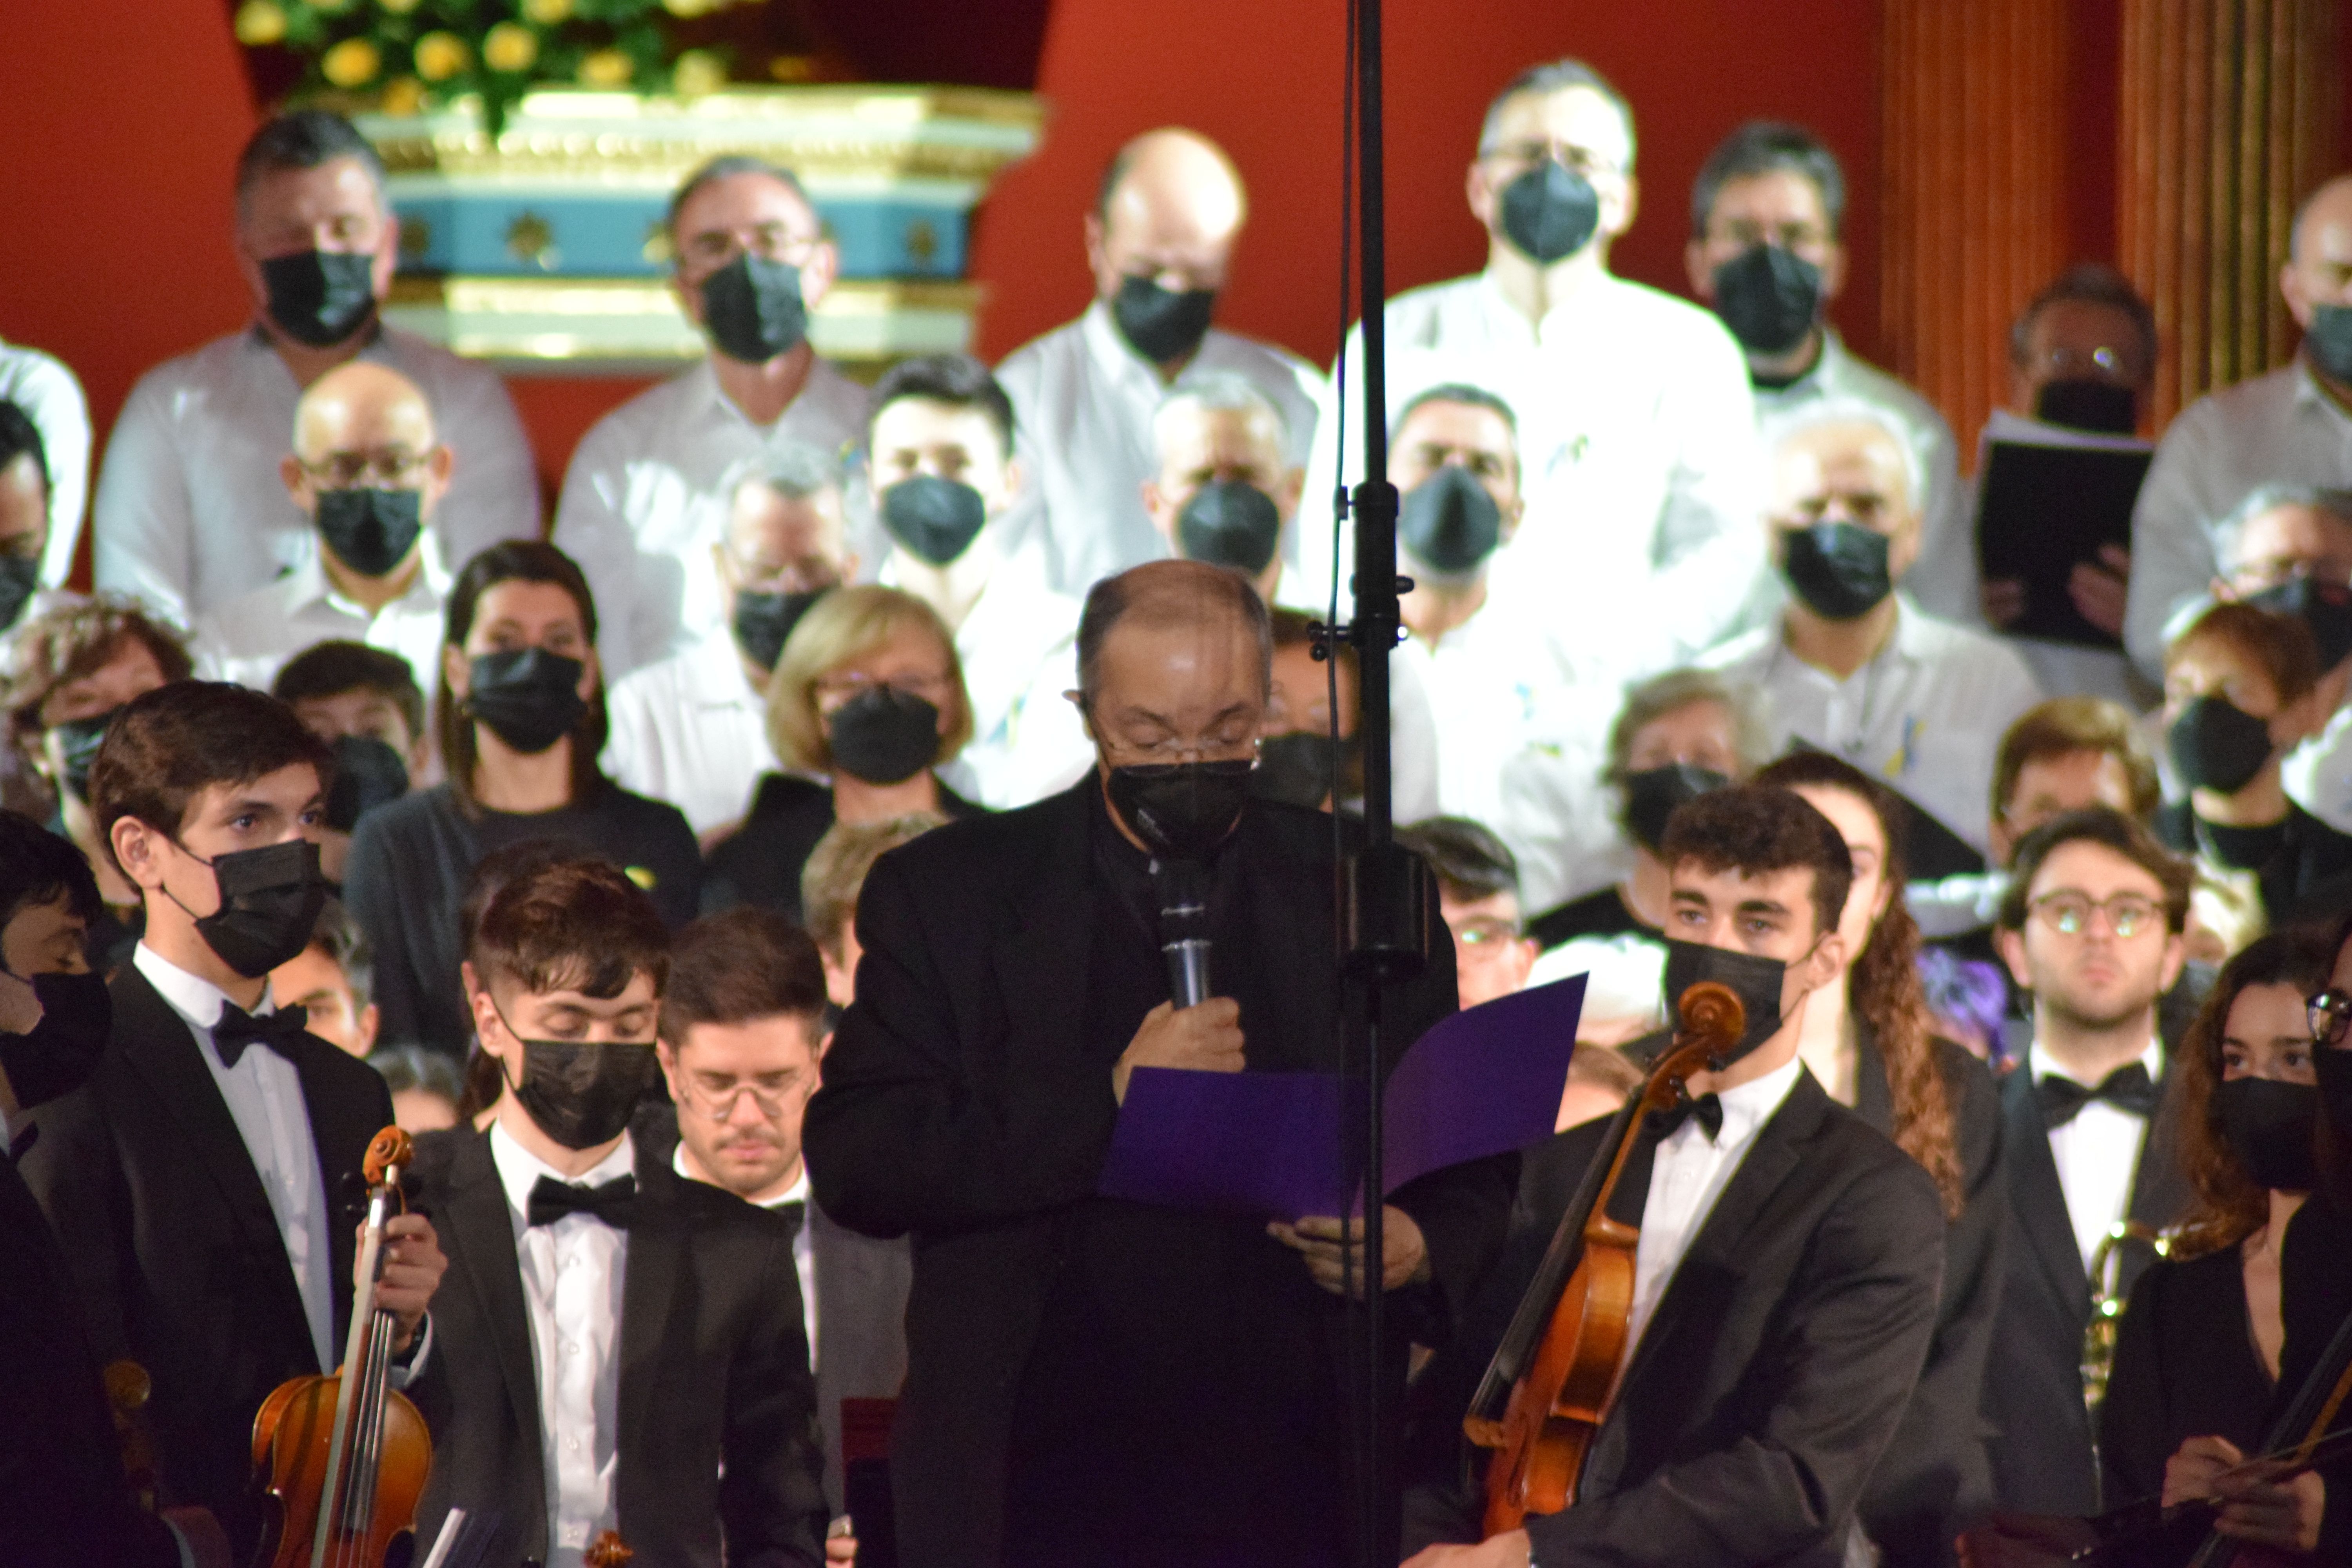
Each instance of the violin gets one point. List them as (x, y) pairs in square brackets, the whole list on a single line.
[(343, 1458), (607, 1552), (1547, 1388)]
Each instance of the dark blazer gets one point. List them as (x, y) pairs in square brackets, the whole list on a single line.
[(2043, 1461), (861, 1304), (1780, 1359), (2185, 1366), (760, 863), (963, 1103), (172, 1245), (1935, 1478), (714, 1371), (63, 1499)]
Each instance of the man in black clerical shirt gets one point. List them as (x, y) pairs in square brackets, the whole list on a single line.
[(1093, 1381)]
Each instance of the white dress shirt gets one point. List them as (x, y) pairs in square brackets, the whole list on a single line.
[(2097, 1153), (263, 1096), (1690, 1174), (1943, 579), (46, 390), (2318, 774), (2276, 428), (1924, 715), (1084, 400), (804, 1248), (648, 492), (1637, 455), (1019, 646), (191, 511), (691, 729), (249, 640), (573, 1275)]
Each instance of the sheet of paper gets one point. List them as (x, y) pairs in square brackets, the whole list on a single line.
[(1484, 1082)]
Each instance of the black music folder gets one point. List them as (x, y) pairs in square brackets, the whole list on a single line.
[(2047, 499)]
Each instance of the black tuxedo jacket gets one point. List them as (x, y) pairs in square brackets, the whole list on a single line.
[(861, 1304), (1776, 1368), (714, 1371), (963, 1103), (63, 1499), (172, 1245), (2043, 1460)]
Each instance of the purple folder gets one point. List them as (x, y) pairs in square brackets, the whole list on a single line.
[(1484, 1082)]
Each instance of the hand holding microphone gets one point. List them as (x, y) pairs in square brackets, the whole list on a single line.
[(1194, 1030)]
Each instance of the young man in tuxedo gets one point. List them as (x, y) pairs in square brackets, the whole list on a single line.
[(203, 1183), (2090, 929), (617, 1348), (1785, 1284)]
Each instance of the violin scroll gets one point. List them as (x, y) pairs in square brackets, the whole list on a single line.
[(607, 1552), (1712, 1015), (390, 1148)]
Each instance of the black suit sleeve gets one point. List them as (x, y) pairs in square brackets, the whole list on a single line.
[(1850, 1337), (77, 1177), (771, 1491), (2132, 1420), (900, 1138)]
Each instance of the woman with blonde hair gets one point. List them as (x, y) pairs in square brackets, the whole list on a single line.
[(867, 704)]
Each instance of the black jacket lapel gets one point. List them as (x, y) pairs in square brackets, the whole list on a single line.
[(1054, 935), (479, 1229), (657, 1254), (2037, 1198), (334, 1128)]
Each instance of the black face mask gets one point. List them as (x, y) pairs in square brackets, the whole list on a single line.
[(932, 519), (2324, 607), (1232, 523), (2217, 746), (2086, 403), (59, 1055), (20, 579), (1755, 981), (1652, 795), (528, 696), (1295, 768), (764, 623), (368, 773), (1161, 324), (2328, 342), (1182, 809), (1450, 523), (269, 899), (78, 743), (1837, 569), (1770, 297), (2271, 1127), (319, 297), (754, 310), (1550, 213), (884, 735), (371, 530), (581, 1094)]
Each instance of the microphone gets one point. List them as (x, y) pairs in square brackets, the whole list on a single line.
[(1184, 928)]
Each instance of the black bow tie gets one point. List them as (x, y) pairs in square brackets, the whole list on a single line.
[(2128, 1087), (613, 1203), (1707, 1108), (794, 1214), (237, 1028)]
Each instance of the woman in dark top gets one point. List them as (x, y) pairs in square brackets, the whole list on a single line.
[(2197, 1353), (521, 716), (1871, 1048), (866, 705), (1678, 735)]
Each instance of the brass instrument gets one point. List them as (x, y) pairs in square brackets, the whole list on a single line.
[(2107, 1302)]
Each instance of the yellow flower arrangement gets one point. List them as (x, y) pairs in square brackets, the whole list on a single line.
[(605, 68), (440, 56), (259, 23), (509, 47), (697, 71), (352, 63)]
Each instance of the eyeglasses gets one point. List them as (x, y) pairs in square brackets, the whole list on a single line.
[(2065, 363), (1746, 233), (1486, 936), (719, 1105), (2069, 914), (1177, 749), (716, 247), (835, 692), (349, 470), (2331, 1015), (1567, 154)]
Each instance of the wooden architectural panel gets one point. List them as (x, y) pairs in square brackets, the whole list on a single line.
[(2229, 114), (1974, 105)]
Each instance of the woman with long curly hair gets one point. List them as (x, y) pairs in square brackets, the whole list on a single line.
[(1874, 1048), (2197, 1353)]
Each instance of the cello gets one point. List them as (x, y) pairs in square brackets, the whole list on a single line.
[(1547, 1388), (343, 1458)]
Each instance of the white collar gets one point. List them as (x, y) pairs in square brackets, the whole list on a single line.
[(798, 1193), (1911, 634), (2151, 1059), (192, 997), (1112, 354), (519, 1169), (1748, 1106), (309, 583)]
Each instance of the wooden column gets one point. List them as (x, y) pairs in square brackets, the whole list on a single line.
[(1974, 104), (2229, 118)]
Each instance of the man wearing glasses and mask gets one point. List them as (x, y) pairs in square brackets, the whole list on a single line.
[(370, 472), (2092, 928), (645, 495), (1637, 433), (1091, 1380)]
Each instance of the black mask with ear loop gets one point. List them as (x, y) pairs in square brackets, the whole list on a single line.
[(269, 899), (580, 1092), (1754, 979)]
